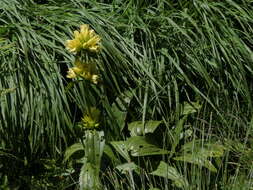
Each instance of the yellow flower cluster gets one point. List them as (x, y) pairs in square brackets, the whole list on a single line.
[(86, 39), (85, 70), (91, 120)]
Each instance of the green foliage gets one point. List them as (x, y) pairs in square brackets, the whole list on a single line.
[(122, 149), (136, 128), (164, 170), (130, 166), (72, 150), (94, 147), (141, 146)]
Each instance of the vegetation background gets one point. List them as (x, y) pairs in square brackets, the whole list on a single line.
[(183, 70)]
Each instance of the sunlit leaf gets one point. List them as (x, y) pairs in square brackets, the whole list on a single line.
[(124, 168), (121, 148), (89, 178), (151, 126), (136, 128), (191, 107), (199, 160), (94, 147), (167, 171), (72, 150), (196, 153), (205, 149), (140, 146)]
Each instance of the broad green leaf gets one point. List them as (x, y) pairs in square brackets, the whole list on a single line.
[(124, 168), (148, 151), (72, 149), (199, 160), (140, 146), (191, 107), (166, 171), (151, 126), (196, 153), (94, 147), (154, 188), (121, 148), (136, 128), (212, 150), (206, 150), (89, 177)]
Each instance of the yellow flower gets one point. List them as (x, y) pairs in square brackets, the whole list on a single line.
[(91, 119), (94, 79), (87, 71), (86, 39), (80, 68), (71, 74)]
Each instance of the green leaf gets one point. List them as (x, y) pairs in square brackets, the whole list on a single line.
[(198, 160), (206, 150), (196, 153), (191, 107), (121, 148), (72, 149), (89, 177), (124, 168), (136, 128), (166, 171), (137, 146), (213, 150), (94, 147), (140, 146), (151, 126)]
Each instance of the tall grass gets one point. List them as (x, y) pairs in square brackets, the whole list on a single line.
[(35, 117), (162, 52)]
